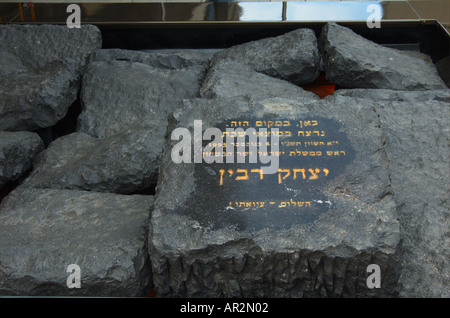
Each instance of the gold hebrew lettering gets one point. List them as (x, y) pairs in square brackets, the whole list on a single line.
[(299, 170), (244, 177), (221, 176), (261, 175), (314, 173), (288, 172)]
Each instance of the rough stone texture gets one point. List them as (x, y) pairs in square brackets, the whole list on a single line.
[(117, 93), (17, 152), (415, 125), (199, 248), (442, 95), (124, 163), (352, 61), (293, 56), (165, 59), (43, 231), (39, 80), (231, 79), (417, 146)]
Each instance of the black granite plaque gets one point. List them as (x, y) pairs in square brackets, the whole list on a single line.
[(236, 192)]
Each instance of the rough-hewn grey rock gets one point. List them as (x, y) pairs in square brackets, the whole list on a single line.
[(201, 245), (415, 126), (124, 163), (164, 59), (43, 231), (442, 95), (116, 94), (231, 79), (354, 62), (293, 56), (40, 79), (417, 147), (31, 100), (34, 46), (17, 152)]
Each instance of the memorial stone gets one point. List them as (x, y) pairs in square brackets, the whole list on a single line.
[(310, 228)]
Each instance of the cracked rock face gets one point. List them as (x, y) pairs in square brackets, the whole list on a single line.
[(124, 163), (205, 244), (163, 59), (17, 152), (293, 56), (231, 79), (41, 76), (418, 151), (415, 126), (117, 93), (43, 235), (352, 61)]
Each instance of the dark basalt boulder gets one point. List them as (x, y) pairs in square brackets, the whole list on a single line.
[(293, 56), (232, 79), (124, 163), (43, 231), (17, 153), (116, 94), (219, 230), (40, 76), (352, 61)]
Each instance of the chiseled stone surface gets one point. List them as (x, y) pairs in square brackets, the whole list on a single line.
[(293, 56), (201, 246), (43, 231), (230, 79), (417, 146), (117, 93), (172, 59), (17, 152), (124, 163), (40, 75), (352, 61)]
